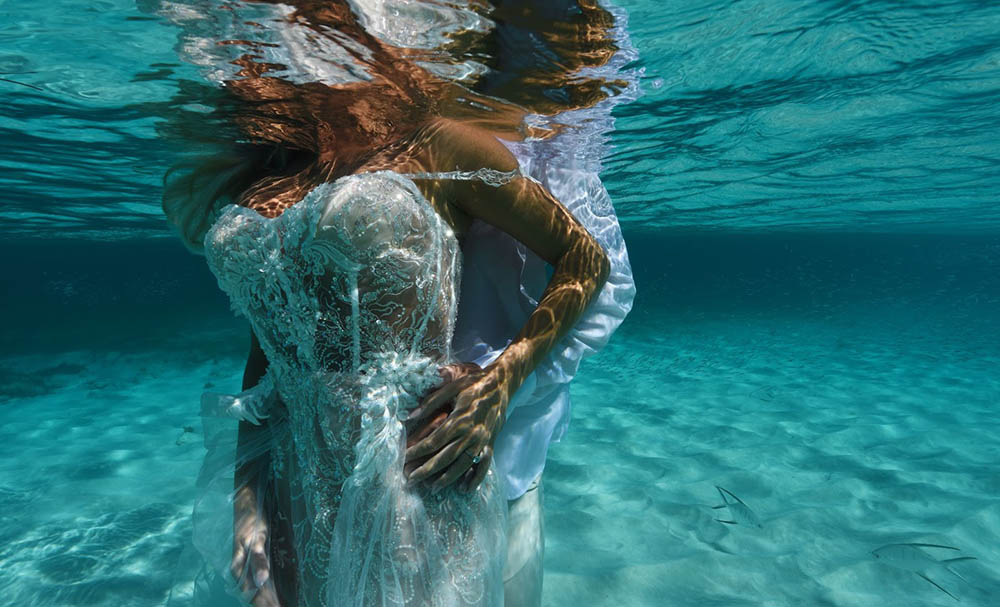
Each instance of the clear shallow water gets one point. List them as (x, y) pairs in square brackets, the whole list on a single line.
[(813, 116), (842, 384), (82, 158)]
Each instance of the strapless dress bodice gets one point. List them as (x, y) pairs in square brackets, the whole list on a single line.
[(360, 268)]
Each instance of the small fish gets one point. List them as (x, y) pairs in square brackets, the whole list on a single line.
[(30, 86), (910, 557), (740, 513), (183, 438)]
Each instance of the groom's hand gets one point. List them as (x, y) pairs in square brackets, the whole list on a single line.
[(453, 429)]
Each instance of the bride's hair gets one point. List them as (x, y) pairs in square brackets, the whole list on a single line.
[(268, 142), (195, 189), (214, 166), (279, 141)]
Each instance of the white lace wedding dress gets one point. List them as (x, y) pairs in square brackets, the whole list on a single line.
[(352, 293)]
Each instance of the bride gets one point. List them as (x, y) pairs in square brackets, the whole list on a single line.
[(364, 461)]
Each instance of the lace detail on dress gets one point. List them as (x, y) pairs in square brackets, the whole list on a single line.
[(487, 175), (352, 294), (253, 405)]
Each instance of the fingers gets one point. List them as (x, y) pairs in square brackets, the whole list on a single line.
[(251, 566), (266, 597), (441, 462), (260, 565), (461, 470), (239, 561), (461, 422), (475, 422), (456, 378), (437, 439), (418, 432), (462, 465), (479, 471), (437, 399)]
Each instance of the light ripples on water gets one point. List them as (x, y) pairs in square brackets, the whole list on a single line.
[(756, 114), (836, 115), (91, 89), (80, 158)]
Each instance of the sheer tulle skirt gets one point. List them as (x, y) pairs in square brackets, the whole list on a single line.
[(388, 545)]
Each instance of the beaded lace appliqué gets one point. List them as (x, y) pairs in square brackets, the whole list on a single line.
[(352, 294)]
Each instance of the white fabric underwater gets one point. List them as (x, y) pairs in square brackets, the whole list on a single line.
[(352, 293), (501, 284)]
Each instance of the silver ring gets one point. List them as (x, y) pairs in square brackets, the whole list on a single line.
[(475, 458)]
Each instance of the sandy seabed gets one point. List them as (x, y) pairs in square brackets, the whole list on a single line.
[(842, 432)]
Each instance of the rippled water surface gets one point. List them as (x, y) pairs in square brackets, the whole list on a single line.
[(755, 114), (830, 115)]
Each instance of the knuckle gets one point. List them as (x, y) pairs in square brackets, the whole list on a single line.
[(445, 430)]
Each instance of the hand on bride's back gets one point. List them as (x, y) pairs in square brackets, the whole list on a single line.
[(250, 566), (453, 429)]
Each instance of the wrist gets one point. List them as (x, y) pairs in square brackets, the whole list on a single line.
[(503, 379), (513, 365)]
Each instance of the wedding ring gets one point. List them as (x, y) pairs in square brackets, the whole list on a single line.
[(475, 458)]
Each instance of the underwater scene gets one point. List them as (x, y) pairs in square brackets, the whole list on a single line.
[(800, 408)]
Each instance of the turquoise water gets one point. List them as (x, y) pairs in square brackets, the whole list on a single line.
[(808, 192)]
